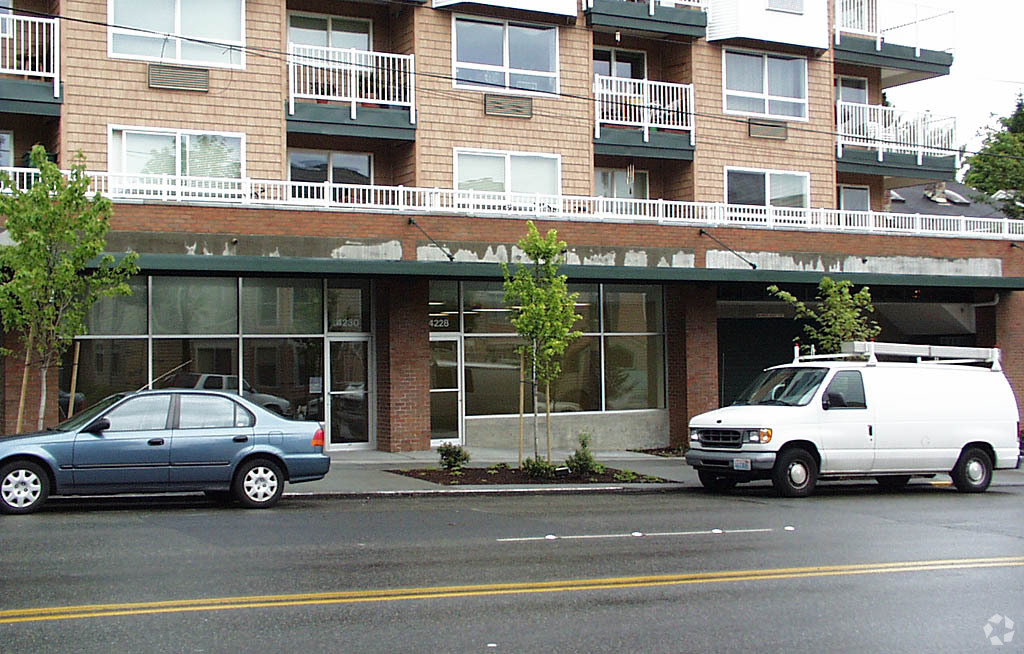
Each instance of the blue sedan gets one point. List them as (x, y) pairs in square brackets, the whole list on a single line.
[(163, 441)]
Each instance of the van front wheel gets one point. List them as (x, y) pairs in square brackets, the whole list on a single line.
[(973, 471), (795, 473)]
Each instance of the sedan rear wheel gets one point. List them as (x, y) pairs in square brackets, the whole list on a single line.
[(258, 484), (24, 487)]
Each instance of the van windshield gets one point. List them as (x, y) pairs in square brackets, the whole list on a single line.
[(783, 387)]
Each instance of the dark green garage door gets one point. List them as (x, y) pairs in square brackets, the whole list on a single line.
[(746, 346)]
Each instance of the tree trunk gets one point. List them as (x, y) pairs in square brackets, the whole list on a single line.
[(533, 390), (24, 380), (42, 397), (74, 380), (522, 397), (547, 403)]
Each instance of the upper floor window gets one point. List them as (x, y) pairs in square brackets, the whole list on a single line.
[(765, 84), (334, 167), (6, 148), (620, 183), (5, 17), (767, 188), (500, 55), (855, 198), (852, 89), (629, 64), (792, 6), (147, 151), (330, 31), (507, 171), (207, 32)]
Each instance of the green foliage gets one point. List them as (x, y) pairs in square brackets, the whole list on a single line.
[(453, 457), (48, 281), (538, 468), (626, 476), (840, 316), (999, 164), (543, 309), (496, 468), (582, 461)]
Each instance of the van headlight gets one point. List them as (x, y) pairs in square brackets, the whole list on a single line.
[(763, 435), (694, 435)]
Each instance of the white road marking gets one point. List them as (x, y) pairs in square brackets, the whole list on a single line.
[(637, 534)]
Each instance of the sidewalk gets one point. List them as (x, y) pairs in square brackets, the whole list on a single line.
[(361, 473)]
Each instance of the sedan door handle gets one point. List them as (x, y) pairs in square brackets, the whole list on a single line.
[(156, 441), (240, 439)]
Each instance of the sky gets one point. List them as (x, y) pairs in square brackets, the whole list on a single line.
[(987, 73)]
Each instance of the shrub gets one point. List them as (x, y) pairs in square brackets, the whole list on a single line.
[(582, 461), (496, 468), (453, 457), (539, 468), (626, 476)]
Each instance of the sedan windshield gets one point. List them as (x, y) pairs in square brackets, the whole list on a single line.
[(783, 386), (79, 420)]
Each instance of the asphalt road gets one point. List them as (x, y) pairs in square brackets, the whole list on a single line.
[(850, 569)]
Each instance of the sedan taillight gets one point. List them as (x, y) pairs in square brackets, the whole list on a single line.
[(318, 438)]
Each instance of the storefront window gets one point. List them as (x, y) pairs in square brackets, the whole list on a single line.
[(485, 311), (122, 315), (634, 373), (492, 377), (632, 309), (444, 306), (285, 375), (348, 307), (105, 366), (578, 388), (208, 363), (282, 306), (195, 305)]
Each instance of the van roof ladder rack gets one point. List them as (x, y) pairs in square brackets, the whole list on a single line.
[(941, 354)]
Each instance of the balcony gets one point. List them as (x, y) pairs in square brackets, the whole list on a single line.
[(354, 92), (799, 23), (403, 200), (898, 143), (909, 41), (30, 65), (649, 18), (658, 116)]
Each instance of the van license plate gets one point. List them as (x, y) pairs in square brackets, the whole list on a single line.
[(741, 464)]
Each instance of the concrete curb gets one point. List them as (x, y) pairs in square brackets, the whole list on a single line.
[(646, 489)]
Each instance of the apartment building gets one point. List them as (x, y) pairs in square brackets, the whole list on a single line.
[(320, 193)]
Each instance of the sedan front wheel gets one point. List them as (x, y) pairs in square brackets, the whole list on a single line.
[(258, 484), (24, 487)]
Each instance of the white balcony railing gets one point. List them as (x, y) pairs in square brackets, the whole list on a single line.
[(691, 4), (901, 22), (400, 199), (642, 103), (887, 129), (353, 76), (30, 47)]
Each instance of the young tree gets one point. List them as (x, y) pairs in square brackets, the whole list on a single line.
[(48, 281), (543, 312), (999, 164), (840, 316)]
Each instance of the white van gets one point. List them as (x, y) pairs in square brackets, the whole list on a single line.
[(949, 410)]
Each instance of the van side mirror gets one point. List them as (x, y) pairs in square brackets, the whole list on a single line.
[(833, 400), (97, 426)]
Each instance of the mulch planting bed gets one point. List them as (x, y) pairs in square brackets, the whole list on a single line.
[(503, 475)]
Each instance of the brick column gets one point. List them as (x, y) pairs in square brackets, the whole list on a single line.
[(403, 365), (1010, 338), (692, 341)]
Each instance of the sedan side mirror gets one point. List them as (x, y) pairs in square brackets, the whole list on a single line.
[(97, 426)]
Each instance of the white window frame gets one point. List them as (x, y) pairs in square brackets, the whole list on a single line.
[(505, 67), (507, 154), (174, 41), (859, 187), (10, 135), (330, 19), (613, 51), (726, 92), (768, 172), (164, 131), (330, 154), (6, 14)]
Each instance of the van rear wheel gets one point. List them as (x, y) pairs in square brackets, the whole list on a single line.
[(795, 473), (973, 471), (714, 482)]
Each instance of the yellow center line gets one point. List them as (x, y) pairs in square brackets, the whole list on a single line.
[(440, 592)]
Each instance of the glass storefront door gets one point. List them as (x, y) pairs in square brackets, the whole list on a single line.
[(349, 393), (445, 389)]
